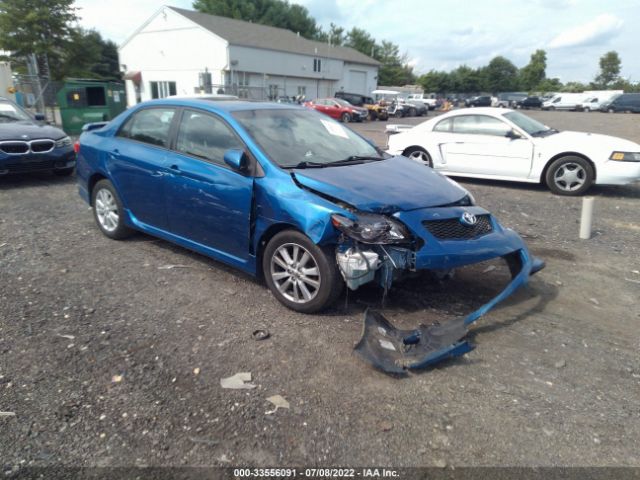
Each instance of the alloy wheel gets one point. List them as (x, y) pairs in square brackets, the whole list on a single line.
[(420, 156), (295, 273), (107, 210), (570, 177)]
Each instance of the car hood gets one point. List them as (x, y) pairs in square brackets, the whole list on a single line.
[(18, 130), (581, 141), (389, 186)]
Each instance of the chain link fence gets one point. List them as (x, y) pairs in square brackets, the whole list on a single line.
[(37, 94)]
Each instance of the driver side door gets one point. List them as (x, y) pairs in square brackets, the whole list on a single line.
[(478, 144)]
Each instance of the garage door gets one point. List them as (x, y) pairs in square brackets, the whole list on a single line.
[(357, 81)]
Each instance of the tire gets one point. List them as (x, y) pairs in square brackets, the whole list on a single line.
[(611, 110), (587, 109), (413, 112), (106, 204), (570, 176), (419, 155), (552, 108), (345, 118), (64, 172), (323, 284)]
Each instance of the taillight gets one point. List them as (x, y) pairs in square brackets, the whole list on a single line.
[(76, 146)]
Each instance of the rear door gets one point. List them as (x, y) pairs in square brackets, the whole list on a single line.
[(137, 159), (478, 144), (207, 202)]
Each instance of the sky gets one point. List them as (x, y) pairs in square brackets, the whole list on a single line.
[(443, 35)]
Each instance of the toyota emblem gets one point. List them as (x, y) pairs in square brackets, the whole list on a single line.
[(468, 219)]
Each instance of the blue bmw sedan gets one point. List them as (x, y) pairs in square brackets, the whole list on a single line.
[(284, 193), (29, 145)]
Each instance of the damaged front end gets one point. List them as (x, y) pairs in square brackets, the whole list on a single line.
[(379, 248)]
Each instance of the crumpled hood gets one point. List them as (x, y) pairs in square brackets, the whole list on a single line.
[(17, 130), (582, 139), (396, 184)]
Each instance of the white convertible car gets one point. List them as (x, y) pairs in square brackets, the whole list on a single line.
[(502, 144)]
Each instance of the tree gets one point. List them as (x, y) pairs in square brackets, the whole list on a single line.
[(88, 55), (395, 69), (609, 69), (465, 79), (550, 85), (534, 72), (500, 76), (362, 41), (277, 13), (436, 82), (40, 27), (335, 36)]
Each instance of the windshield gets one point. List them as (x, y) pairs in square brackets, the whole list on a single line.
[(12, 113), (344, 103), (527, 124), (291, 136)]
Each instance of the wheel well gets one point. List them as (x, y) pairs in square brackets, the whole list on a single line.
[(266, 237), (566, 154), (416, 147), (95, 178)]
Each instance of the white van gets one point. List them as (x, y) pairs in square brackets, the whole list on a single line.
[(565, 101), (596, 99)]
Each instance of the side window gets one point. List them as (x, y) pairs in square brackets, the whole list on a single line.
[(150, 125), (480, 125), (557, 100), (443, 126), (204, 136)]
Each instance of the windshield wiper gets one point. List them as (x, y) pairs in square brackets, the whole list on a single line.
[(354, 160), (306, 164)]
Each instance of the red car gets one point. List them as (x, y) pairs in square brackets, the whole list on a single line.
[(338, 109)]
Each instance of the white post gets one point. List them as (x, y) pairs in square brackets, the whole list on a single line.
[(586, 218)]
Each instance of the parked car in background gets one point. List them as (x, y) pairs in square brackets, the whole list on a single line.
[(529, 102), (504, 144), (339, 109), (286, 194), (376, 111), (414, 108), (27, 144), (626, 102), (509, 99), (430, 102), (595, 99), (479, 101), (564, 101)]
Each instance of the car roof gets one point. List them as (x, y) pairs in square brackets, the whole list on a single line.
[(478, 110), (218, 104)]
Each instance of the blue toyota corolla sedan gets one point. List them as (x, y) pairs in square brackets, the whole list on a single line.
[(286, 193)]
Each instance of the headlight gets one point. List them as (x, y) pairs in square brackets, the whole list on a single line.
[(625, 156), (372, 229), (63, 142)]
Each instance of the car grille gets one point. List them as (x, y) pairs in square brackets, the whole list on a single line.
[(14, 148), (453, 229), (19, 147), (42, 146)]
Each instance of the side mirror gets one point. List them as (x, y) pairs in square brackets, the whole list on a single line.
[(513, 135), (236, 159), (40, 117)]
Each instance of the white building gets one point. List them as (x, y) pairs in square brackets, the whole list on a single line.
[(184, 52)]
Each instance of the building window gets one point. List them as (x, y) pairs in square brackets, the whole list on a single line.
[(317, 65), (162, 89), (273, 92), (302, 90)]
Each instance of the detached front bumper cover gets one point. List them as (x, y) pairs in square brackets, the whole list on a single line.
[(397, 351)]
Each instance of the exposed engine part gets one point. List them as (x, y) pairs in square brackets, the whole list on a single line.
[(357, 266)]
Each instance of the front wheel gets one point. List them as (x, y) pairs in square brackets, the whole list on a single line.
[(587, 109), (419, 155), (108, 211), (570, 175), (300, 274), (346, 118)]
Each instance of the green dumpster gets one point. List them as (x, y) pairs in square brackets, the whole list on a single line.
[(86, 101)]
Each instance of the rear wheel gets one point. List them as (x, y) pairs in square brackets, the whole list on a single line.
[(300, 274), (610, 110), (570, 175), (412, 112), (418, 154), (346, 118), (108, 211), (587, 109)]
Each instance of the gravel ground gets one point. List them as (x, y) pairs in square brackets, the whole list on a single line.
[(108, 357)]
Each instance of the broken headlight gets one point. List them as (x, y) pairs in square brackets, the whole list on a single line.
[(371, 228)]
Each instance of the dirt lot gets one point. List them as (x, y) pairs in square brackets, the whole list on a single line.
[(109, 357)]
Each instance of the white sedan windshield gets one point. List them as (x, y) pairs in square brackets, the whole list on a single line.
[(528, 124)]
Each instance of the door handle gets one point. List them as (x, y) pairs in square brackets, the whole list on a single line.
[(175, 169), (115, 153)]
